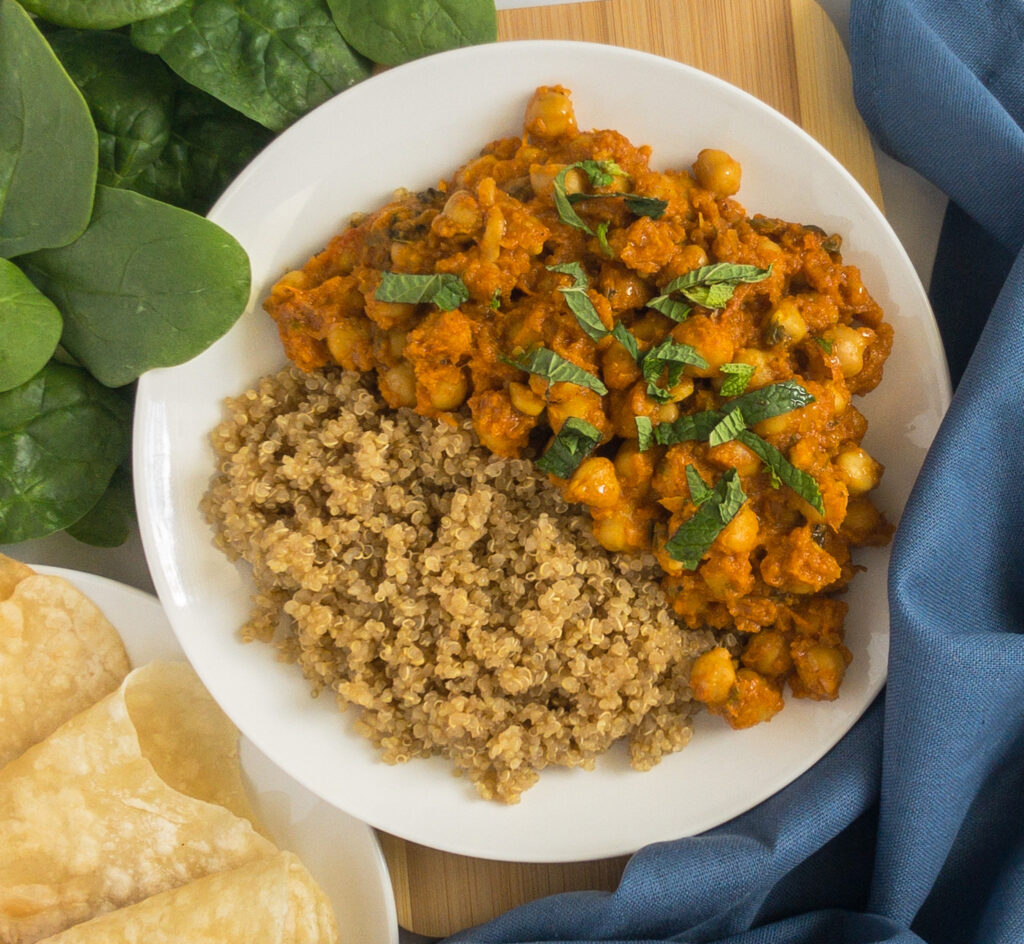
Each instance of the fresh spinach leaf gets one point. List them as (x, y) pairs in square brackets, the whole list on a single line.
[(97, 14), (47, 142), (130, 95), (444, 289), (271, 61), (62, 435), (30, 327), (209, 145), (718, 507), (556, 369), (147, 285), (109, 522), (395, 31), (576, 440)]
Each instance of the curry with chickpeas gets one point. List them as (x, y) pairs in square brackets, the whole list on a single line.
[(684, 370)]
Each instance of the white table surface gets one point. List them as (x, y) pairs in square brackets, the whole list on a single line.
[(914, 208)]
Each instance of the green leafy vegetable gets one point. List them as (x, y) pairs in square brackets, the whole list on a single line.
[(710, 286), (445, 290), (622, 334), (783, 470), (271, 61), (772, 400), (109, 522), (62, 435), (395, 31), (599, 174), (578, 301), (98, 14), (556, 369), (147, 285), (47, 142), (576, 440), (694, 426), (157, 135), (645, 206), (719, 505), (728, 427), (644, 432), (738, 377), (30, 327), (130, 95), (669, 357), (700, 491)]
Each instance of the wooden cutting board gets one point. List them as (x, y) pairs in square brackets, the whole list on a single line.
[(788, 54)]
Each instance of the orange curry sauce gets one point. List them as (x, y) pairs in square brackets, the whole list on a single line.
[(767, 582)]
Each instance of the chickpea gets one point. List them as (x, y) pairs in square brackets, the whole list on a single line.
[(347, 341), (618, 529), (294, 279), (633, 467), (461, 213), (550, 114), (494, 232), (767, 653), (760, 361), (858, 470), (594, 483), (525, 400), (848, 345), (820, 670), (713, 676), (786, 324), (398, 385), (448, 388), (619, 369), (585, 404), (740, 536), (711, 342), (734, 455), (718, 172)]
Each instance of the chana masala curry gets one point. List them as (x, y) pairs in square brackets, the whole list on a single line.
[(683, 370)]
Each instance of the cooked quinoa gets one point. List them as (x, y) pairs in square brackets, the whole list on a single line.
[(450, 595)]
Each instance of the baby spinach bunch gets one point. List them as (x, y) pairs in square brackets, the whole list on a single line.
[(120, 122)]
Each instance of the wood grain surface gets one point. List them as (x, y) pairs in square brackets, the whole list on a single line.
[(786, 53)]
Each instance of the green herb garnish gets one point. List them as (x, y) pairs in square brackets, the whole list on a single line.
[(444, 289), (556, 369), (717, 506), (738, 377), (602, 239), (599, 173), (772, 400), (728, 427), (654, 207), (644, 432), (710, 286), (669, 357), (576, 440), (783, 471), (579, 302), (826, 344)]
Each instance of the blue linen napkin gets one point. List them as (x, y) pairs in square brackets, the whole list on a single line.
[(912, 827)]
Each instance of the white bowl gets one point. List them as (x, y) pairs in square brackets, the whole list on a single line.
[(409, 127)]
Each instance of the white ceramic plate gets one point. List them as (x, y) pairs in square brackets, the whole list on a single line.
[(341, 853), (410, 127)]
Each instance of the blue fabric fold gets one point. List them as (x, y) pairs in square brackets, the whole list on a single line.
[(911, 828)]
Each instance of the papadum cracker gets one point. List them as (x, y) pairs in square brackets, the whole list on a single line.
[(267, 901), (58, 655), (107, 812)]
